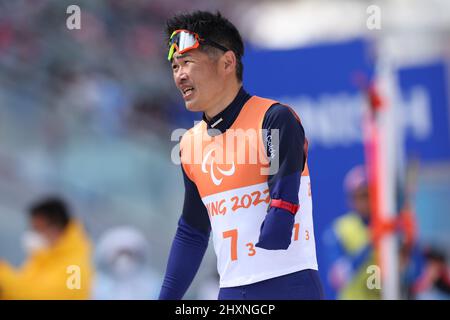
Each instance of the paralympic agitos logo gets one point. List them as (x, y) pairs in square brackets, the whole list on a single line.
[(211, 171), (219, 155)]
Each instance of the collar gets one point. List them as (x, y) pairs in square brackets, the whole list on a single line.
[(226, 117)]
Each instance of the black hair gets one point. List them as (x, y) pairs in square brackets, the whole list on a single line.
[(53, 209), (435, 254), (213, 27)]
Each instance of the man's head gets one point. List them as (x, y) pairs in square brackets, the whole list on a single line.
[(206, 73), (49, 218), (357, 189)]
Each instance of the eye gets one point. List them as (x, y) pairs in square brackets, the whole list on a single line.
[(174, 67)]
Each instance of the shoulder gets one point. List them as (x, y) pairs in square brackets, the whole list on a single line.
[(188, 136), (282, 116), (351, 231), (347, 220), (196, 129), (283, 112)]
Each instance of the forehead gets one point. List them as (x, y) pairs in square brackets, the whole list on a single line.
[(194, 53), (39, 222)]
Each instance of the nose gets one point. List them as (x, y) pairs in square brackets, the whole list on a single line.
[(180, 75)]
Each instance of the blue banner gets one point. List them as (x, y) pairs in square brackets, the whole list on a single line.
[(319, 83)]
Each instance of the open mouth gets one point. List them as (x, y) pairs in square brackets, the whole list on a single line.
[(187, 91)]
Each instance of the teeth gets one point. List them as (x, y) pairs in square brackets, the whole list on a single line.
[(187, 89)]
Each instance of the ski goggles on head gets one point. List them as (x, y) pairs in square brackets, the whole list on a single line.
[(184, 40)]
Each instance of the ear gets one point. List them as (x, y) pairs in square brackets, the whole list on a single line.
[(229, 62)]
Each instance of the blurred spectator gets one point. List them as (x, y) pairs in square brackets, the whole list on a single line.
[(434, 281), (90, 74), (56, 242), (149, 112), (348, 242), (94, 97), (123, 272)]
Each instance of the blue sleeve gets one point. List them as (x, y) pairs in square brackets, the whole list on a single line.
[(284, 183), (189, 245)]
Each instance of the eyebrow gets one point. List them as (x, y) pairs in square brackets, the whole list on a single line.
[(181, 56)]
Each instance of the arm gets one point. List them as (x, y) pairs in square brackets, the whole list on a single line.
[(342, 264), (276, 230), (188, 246), (7, 275), (32, 282)]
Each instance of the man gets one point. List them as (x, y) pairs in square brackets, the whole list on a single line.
[(58, 265), (432, 280), (261, 219), (349, 244)]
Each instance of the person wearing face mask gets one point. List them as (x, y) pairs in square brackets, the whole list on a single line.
[(123, 270), (58, 262)]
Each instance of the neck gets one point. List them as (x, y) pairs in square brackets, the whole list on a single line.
[(229, 93)]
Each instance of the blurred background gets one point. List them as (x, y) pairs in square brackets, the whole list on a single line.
[(88, 114)]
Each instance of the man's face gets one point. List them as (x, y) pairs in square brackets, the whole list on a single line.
[(40, 225), (198, 78), (360, 201)]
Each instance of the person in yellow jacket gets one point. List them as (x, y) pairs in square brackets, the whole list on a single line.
[(349, 245), (59, 261)]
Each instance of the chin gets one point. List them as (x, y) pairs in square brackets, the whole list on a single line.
[(192, 106)]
